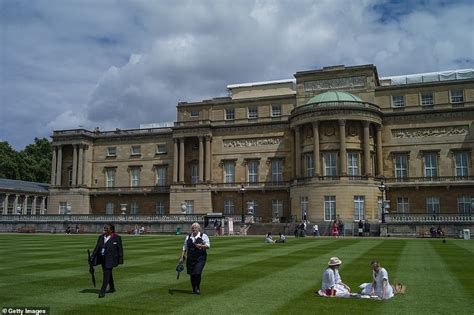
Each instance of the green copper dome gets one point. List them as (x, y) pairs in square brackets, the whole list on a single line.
[(334, 96)]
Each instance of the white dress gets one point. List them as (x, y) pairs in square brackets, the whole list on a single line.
[(333, 279), (378, 278)]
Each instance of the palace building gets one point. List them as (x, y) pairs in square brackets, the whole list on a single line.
[(334, 141)]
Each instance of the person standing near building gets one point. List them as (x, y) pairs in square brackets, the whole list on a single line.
[(108, 252), (194, 251)]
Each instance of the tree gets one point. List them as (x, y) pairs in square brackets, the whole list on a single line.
[(8, 161)]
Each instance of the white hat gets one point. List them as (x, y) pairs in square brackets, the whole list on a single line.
[(334, 261)]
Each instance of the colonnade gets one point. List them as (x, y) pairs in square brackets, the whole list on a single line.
[(78, 156), (204, 164), (23, 205)]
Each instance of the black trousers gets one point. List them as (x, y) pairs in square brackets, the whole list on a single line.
[(107, 280)]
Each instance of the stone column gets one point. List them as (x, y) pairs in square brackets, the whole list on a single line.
[(201, 159), (53, 167), (175, 161), (317, 167), (74, 165), (5, 204), (297, 152), (80, 166), (379, 151), (208, 159), (43, 205), (33, 205), (15, 204), (25, 205), (59, 166), (367, 171), (342, 140), (181, 160)]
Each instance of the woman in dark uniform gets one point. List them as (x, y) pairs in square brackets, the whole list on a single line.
[(195, 249)]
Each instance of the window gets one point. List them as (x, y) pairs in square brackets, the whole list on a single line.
[(398, 101), (432, 205), (277, 208), (402, 205), (359, 208), (252, 207), (109, 208), (276, 110), (194, 174), (111, 151), (464, 205), (136, 150), (427, 98), (194, 114), (134, 207), (229, 206), (329, 208), (135, 177), (461, 163), (253, 172), (161, 175), (161, 149), (63, 208), (401, 167), (229, 172), (110, 174), (431, 165), (457, 96), (309, 165), (252, 113), (353, 164), (329, 160), (160, 207), (304, 205), (277, 171), (229, 114), (189, 206)]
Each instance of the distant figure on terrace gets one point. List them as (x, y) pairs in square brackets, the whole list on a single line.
[(335, 229)]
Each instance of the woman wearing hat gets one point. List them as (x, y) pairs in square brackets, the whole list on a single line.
[(332, 284), (380, 285), (195, 250)]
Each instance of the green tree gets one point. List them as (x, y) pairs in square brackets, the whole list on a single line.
[(8, 161)]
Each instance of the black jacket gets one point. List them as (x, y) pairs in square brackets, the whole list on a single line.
[(113, 253)]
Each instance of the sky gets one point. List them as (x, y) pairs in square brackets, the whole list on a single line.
[(121, 63)]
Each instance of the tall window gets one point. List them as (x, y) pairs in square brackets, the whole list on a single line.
[(309, 165), (398, 101), (401, 167), (329, 208), (229, 114), (353, 164), (253, 172), (304, 205), (277, 208), (194, 174), (431, 165), (252, 206), (457, 96), (134, 207), (276, 110), (432, 205), (160, 207), (252, 113), (110, 174), (464, 205), (402, 205), (161, 175), (461, 161), (359, 208), (330, 161), (277, 171), (62, 207), (427, 98), (229, 172), (109, 208), (135, 177), (189, 206), (229, 206)]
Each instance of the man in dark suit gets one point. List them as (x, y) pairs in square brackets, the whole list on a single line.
[(109, 253)]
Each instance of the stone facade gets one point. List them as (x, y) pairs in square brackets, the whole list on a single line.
[(277, 150)]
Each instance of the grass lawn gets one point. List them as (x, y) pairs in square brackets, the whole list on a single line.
[(242, 276)]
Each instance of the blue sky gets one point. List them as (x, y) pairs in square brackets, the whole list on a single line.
[(116, 64)]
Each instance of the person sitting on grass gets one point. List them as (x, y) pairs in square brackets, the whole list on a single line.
[(282, 238), (332, 284), (380, 285), (269, 238)]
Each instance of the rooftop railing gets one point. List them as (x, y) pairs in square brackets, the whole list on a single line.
[(428, 218)]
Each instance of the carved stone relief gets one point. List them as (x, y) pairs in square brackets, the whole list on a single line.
[(430, 132), (334, 83), (253, 142)]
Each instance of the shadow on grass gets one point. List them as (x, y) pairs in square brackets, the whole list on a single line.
[(95, 291), (174, 291)]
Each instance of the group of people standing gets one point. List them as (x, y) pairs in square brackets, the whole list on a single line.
[(332, 285)]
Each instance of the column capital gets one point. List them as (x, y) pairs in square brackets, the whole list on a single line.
[(315, 124), (342, 122), (366, 123)]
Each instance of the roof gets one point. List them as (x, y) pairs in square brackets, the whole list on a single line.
[(334, 96), (23, 186), (233, 86), (461, 74)]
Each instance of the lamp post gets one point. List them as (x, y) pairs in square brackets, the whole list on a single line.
[(242, 192), (382, 188)]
